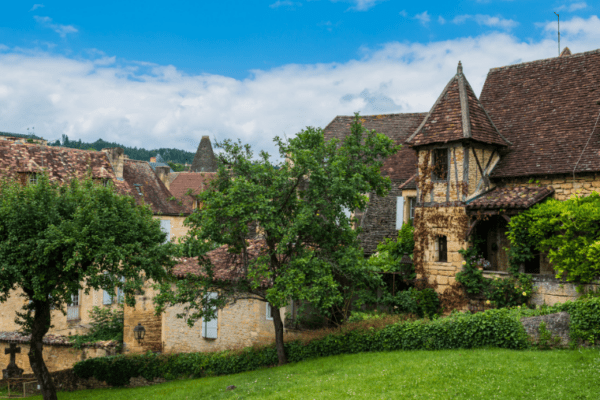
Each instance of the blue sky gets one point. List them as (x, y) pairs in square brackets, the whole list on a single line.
[(165, 73)]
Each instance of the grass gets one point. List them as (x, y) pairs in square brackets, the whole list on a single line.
[(449, 374)]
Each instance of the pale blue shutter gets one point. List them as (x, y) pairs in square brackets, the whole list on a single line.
[(399, 212), (106, 298), (165, 226), (210, 327), (120, 292)]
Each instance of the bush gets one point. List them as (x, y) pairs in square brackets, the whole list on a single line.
[(497, 328), (413, 301), (105, 324)]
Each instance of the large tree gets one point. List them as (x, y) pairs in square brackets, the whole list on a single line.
[(308, 245), (58, 239)]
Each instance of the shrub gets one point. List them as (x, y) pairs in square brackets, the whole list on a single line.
[(497, 328), (105, 324)]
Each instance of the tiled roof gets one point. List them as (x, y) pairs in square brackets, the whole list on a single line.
[(154, 164), (204, 160), (547, 109), (62, 164), (184, 181), (397, 127), (505, 197), (141, 178), (409, 184), (457, 115), (227, 266)]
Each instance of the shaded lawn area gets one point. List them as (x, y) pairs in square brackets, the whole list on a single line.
[(447, 374)]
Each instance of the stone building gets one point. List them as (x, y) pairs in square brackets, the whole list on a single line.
[(382, 216), (24, 161), (530, 136)]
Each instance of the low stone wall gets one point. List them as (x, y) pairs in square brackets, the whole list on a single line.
[(58, 356), (556, 324)]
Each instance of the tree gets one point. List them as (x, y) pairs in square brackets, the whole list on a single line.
[(56, 240), (298, 205)]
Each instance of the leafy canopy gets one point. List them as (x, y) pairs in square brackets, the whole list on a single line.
[(308, 244), (56, 240)]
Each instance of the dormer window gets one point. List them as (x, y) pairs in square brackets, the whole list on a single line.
[(33, 179), (440, 165), (138, 188)]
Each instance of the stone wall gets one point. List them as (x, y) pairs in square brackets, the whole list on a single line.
[(178, 230), (57, 358), (144, 313), (442, 221), (379, 219), (564, 185)]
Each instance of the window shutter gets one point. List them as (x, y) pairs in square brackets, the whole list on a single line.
[(210, 327), (106, 298), (399, 212), (120, 292), (269, 315), (165, 226)]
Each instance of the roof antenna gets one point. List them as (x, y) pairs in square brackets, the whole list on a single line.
[(558, 32)]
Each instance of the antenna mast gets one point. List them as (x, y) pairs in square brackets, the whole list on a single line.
[(558, 32)]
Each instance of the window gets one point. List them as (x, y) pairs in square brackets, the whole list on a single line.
[(269, 314), (440, 165), (442, 249), (165, 226), (399, 212), (139, 188), (33, 179), (210, 327), (413, 205), (108, 298), (73, 308)]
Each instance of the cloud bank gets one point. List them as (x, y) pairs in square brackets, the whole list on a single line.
[(147, 105)]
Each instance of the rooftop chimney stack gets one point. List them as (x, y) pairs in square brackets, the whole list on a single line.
[(116, 157), (163, 175)]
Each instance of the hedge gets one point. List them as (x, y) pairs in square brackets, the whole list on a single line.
[(493, 328)]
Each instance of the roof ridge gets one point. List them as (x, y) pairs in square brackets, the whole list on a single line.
[(558, 58), (464, 103)]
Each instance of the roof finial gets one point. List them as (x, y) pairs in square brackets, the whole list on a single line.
[(459, 69)]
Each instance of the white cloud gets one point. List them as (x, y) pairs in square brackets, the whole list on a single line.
[(486, 20), (441, 20), (572, 7), (62, 30), (424, 17), (36, 6), (364, 5), (148, 105), (287, 3), (403, 13)]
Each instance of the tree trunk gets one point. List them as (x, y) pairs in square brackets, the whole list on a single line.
[(41, 324), (278, 335)]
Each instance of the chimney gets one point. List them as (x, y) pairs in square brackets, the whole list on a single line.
[(152, 159), (116, 157), (163, 175)]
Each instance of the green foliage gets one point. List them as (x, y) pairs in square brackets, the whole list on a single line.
[(311, 253), (545, 339), (174, 155), (424, 303), (105, 324), (495, 328), (390, 252), (357, 316), (568, 231), (176, 167), (502, 292)]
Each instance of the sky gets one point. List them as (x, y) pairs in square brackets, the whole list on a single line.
[(163, 74)]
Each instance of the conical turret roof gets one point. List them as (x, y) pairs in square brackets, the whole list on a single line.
[(457, 115), (204, 160)]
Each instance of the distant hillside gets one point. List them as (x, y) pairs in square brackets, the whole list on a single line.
[(174, 155)]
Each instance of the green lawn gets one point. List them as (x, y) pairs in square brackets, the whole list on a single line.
[(449, 374)]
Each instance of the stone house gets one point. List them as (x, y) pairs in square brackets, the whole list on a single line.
[(530, 136), (471, 163), (25, 161), (385, 215)]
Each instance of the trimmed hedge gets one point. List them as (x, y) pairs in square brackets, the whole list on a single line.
[(495, 328)]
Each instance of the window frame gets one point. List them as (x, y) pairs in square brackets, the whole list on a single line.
[(442, 248), (412, 205), (268, 314), (434, 153)]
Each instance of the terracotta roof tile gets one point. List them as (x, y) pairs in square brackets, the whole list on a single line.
[(457, 115), (505, 197), (547, 109), (197, 181), (397, 127)]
